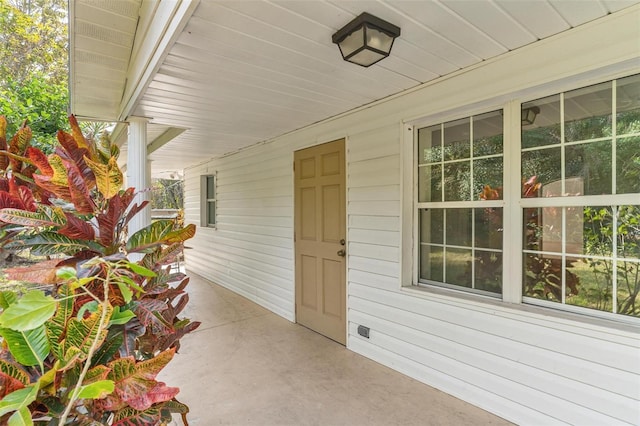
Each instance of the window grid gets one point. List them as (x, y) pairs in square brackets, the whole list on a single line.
[(614, 134), (614, 258), (613, 201), (472, 203), (617, 199), (614, 290)]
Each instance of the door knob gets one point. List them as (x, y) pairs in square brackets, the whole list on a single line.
[(342, 253)]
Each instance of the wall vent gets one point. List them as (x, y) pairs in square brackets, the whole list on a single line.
[(363, 331)]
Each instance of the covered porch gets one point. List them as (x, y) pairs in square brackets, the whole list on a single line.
[(248, 366), (233, 95)]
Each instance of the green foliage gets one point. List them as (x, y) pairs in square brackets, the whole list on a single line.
[(34, 67), (33, 39), (599, 235), (29, 347), (88, 351), (167, 194), (29, 312), (35, 99), (96, 390), (18, 402)]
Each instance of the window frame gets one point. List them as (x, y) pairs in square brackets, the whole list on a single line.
[(459, 204), (205, 202), (512, 203), (565, 202)]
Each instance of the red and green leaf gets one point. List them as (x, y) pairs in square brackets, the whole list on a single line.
[(80, 195), (108, 221), (131, 417), (67, 142), (46, 184), (56, 327), (59, 176), (95, 374), (4, 161), (39, 159), (149, 312), (76, 156), (53, 243), (7, 201), (45, 216), (22, 194), (149, 237), (134, 210), (77, 228), (158, 393), (109, 348), (40, 273), (18, 146), (12, 377), (82, 333), (77, 133), (180, 235), (26, 198), (135, 383), (130, 333), (164, 256)]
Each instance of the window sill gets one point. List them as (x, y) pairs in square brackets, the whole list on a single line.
[(521, 311)]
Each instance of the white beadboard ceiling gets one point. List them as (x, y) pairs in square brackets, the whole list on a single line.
[(239, 72)]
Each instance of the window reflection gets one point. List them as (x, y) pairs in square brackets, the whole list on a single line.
[(587, 254)]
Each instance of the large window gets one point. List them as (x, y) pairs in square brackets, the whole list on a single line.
[(579, 201), (208, 200), (460, 215), (581, 198)]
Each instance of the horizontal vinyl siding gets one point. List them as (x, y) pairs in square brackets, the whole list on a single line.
[(251, 249), (528, 364), (504, 356), (526, 368)]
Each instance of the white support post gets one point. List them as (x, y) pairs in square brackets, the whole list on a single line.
[(138, 170)]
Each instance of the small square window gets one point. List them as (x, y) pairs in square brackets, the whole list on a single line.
[(208, 201)]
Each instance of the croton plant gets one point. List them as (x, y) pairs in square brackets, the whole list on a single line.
[(85, 345)]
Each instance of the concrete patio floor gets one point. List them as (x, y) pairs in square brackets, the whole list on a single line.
[(248, 366)]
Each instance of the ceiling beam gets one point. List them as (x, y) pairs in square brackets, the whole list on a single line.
[(165, 137)]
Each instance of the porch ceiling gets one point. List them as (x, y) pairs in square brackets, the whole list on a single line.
[(236, 73)]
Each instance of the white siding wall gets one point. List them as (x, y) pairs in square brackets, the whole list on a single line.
[(516, 361), (251, 249)]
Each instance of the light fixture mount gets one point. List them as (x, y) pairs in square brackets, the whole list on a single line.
[(366, 40)]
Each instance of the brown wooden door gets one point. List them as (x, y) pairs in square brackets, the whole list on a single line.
[(320, 233)]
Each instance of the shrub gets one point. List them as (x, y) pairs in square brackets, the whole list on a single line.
[(86, 347)]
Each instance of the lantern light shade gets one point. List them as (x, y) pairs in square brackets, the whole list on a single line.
[(366, 40), (529, 115)]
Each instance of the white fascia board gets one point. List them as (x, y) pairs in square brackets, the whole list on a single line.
[(119, 134), (159, 27), (72, 61)]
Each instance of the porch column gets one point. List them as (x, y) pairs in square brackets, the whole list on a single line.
[(138, 170)]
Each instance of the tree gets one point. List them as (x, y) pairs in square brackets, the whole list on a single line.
[(33, 40), (36, 99), (167, 194), (33, 67)]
